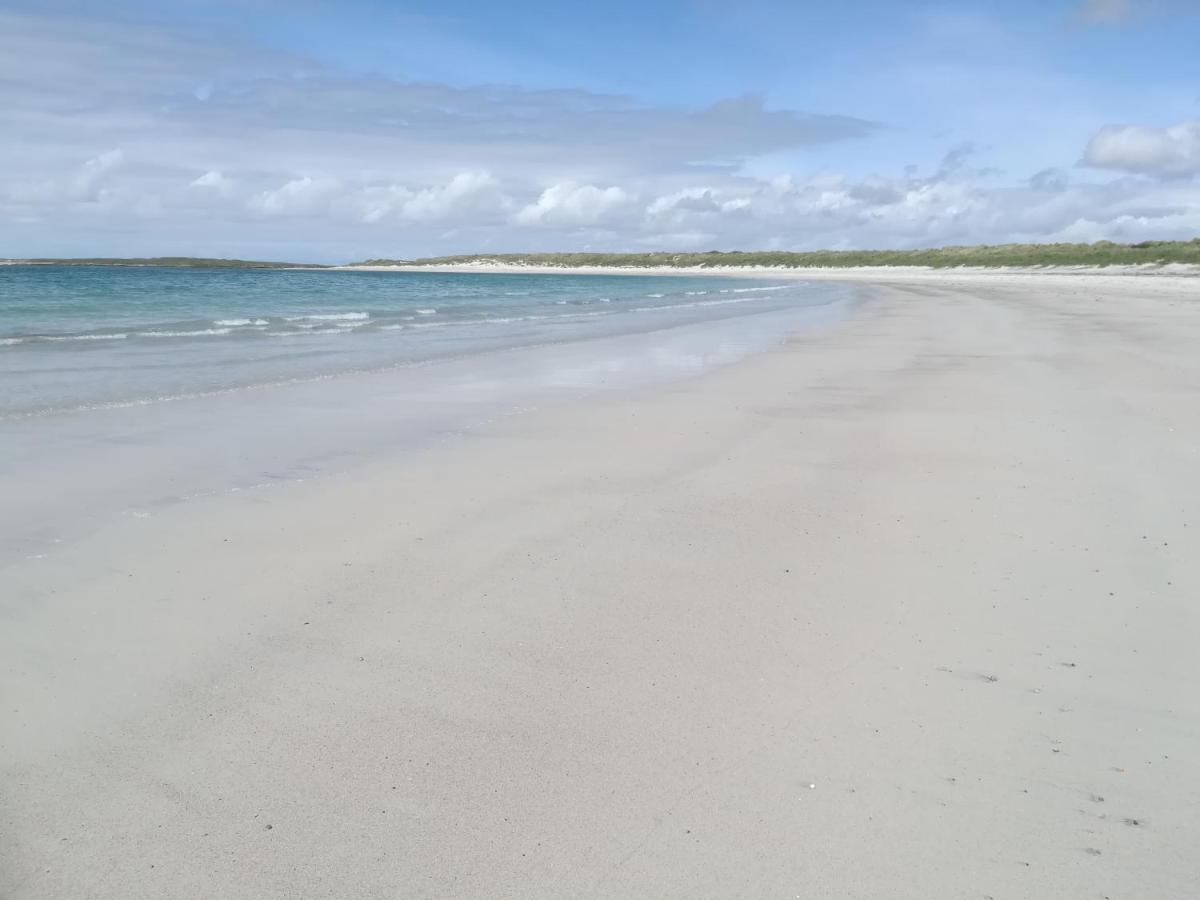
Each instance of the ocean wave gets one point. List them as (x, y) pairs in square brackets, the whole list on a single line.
[(426, 312), (756, 290), (235, 323), (348, 326), (694, 304), (83, 337), (8, 342), (329, 317), (343, 329), (201, 332), (498, 320)]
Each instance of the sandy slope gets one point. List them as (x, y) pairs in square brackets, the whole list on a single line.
[(906, 610)]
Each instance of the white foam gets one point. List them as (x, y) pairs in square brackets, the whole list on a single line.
[(316, 327), (312, 329), (234, 323), (203, 332), (85, 337), (329, 317), (8, 342), (694, 304), (426, 312)]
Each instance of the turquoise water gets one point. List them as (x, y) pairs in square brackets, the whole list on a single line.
[(75, 337), (126, 391)]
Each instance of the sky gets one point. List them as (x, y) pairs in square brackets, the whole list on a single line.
[(314, 130)]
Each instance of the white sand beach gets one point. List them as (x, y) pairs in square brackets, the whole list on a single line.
[(906, 608)]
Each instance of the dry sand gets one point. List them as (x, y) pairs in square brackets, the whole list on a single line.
[(905, 609)]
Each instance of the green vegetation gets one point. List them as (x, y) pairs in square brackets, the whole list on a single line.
[(1102, 253), (178, 262)]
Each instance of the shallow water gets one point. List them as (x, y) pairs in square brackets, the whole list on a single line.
[(82, 336), (93, 428)]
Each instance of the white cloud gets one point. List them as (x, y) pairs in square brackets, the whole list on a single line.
[(72, 83), (1150, 151), (697, 200), (213, 180), (299, 196), (466, 194), (87, 182), (232, 147), (574, 205), (829, 210)]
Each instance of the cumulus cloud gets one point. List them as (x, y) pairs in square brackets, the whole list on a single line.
[(466, 194), (482, 210), (917, 210), (573, 205), (693, 200), (214, 181), (87, 182), (300, 196), (1149, 151)]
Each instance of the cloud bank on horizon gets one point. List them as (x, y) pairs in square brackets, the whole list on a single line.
[(353, 131)]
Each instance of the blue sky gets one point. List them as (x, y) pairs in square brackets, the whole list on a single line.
[(321, 130)]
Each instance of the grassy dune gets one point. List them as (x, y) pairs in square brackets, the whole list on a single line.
[(1102, 253)]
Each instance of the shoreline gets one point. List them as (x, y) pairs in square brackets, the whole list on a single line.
[(162, 450), (912, 589)]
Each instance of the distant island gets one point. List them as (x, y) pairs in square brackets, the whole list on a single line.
[(1101, 253), (172, 262)]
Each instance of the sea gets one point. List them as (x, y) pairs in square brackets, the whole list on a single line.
[(123, 389)]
